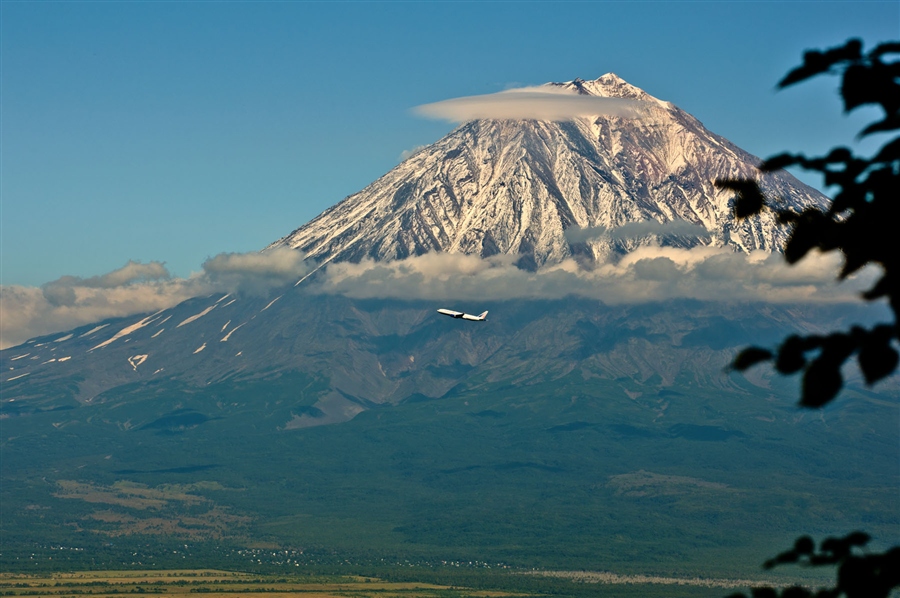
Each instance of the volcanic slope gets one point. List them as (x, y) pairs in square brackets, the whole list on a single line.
[(517, 186)]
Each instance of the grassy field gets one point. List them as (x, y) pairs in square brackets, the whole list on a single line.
[(430, 584), (212, 582)]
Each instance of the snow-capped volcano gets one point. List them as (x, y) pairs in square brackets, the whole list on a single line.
[(549, 190)]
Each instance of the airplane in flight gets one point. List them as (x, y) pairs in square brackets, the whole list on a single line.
[(463, 316)]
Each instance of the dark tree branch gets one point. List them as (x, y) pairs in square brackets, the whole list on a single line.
[(860, 222)]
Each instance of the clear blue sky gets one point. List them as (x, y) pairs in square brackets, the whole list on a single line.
[(174, 131)]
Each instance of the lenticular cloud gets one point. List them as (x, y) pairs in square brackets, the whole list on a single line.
[(529, 103)]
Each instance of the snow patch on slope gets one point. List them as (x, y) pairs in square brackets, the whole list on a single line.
[(230, 332), (126, 331), (270, 303), (137, 360), (197, 317), (93, 330)]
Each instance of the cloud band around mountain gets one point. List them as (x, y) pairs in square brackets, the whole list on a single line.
[(648, 274), (256, 273), (71, 301), (529, 103)]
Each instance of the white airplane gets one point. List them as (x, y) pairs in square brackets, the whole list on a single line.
[(463, 316)]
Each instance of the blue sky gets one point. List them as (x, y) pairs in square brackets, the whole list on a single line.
[(174, 131)]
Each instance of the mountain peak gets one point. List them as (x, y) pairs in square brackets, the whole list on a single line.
[(612, 80), (546, 191), (611, 85)]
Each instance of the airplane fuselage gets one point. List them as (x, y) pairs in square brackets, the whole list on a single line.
[(463, 316)]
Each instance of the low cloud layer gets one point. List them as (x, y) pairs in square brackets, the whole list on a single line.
[(529, 103), (647, 274), (62, 292), (26, 312), (256, 273), (71, 301)]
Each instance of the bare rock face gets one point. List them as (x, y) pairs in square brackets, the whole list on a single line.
[(546, 191)]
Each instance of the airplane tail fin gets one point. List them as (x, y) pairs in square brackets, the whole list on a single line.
[(482, 316)]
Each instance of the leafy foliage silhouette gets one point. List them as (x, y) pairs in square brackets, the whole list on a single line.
[(860, 223), (859, 575)]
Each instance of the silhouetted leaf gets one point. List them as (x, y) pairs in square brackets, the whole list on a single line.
[(816, 62), (859, 87), (822, 559), (778, 162), (888, 123), (750, 357), (821, 383), (839, 178), (748, 200), (807, 231), (804, 545), (813, 64), (881, 288), (839, 155), (888, 153), (790, 355), (839, 548), (795, 592), (877, 358), (885, 48), (852, 197), (853, 261)]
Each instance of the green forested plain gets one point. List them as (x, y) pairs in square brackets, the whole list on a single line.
[(571, 473)]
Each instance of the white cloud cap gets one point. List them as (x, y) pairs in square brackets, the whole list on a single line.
[(530, 103)]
